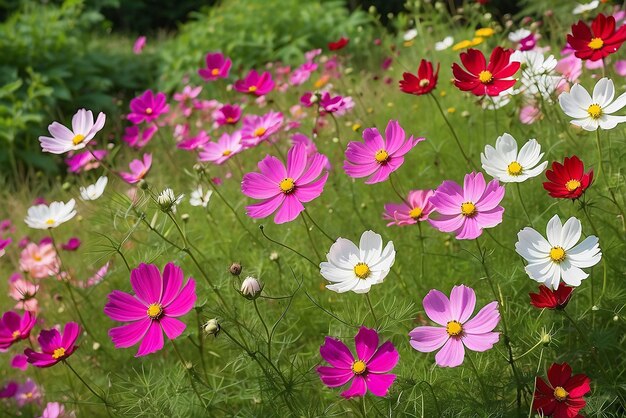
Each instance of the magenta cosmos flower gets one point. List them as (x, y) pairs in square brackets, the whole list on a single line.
[(14, 328), (285, 189), (456, 331), (220, 151), (227, 115), (257, 129), (138, 169), (54, 346), (153, 310), (217, 66), (256, 84), (64, 140), (415, 209), (147, 107), (369, 370), (377, 157), (466, 211)]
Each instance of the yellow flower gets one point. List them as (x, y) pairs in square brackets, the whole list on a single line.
[(485, 32), (462, 45), (408, 43), (451, 110), (477, 41), (356, 127)]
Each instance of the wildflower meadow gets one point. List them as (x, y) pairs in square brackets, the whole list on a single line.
[(407, 213)]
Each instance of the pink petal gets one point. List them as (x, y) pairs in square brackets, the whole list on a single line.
[(473, 187), (70, 335), (172, 281), (124, 307), (49, 340), (462, 303), (452, 354), (448, 223), (172, 327), (493, 195), (359, 153), (333, 377), (257, 186), (491, 218), (152, 341), (59, 131), (484, 321), (373, 140), (428, 339), (289, 211), (469, 230), (379, 384), (273, 169), (265, 208), (317, 164), (336, 354), (437, 307), (361, 170), (385, 359), (183, 302), (311, 191), (480, 342), (358, 388), (130, 334), (366, 343), (296, 161), (394, 136), (147, 283), (382, 173)]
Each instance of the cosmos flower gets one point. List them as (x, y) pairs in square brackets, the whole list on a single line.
[(568, 180), (354, 268), (227, 115), (339, 44), (368, 371), (64, 140), (562, 396), (199, 198), (586, 7), (551, 299), (55, 410), (377, 157), (416, 209), (139, 45), (456, 331), (444, 44), (217, 66), (538, 76), (71, 245), (4, 243), (558, 257), (158, 301), (46, 217), (466, 211), (85, 161), (14, 328), (507, 165), (225, 148), (258, 85), (147, 107), (257, 129), (55, 346), (139, 138), (26, 393), (23, 291), (39, 260), (599, 41), (424, 82), (195, 142), (94, 191), (481, 78), (138, 169)]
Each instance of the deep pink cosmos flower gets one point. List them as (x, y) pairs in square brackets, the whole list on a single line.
[(377, 157), (8, 390), (285, 189), (55, 346), (147, 107), (85, 161), (217, 66), (256, 84), (138, 169), (415, 209), (14, 328), (195, 142), (71, 245), (227, 115), (456, 331), (369, 370), (139, 138), (4, 243), (19, 361), (139, 44), (187, 94), (158, 301), (220, 151), (256, 128), (466, 211)]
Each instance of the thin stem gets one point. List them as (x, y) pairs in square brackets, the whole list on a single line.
[(85, 383), (395, 189), (423, 250), (483, 388), (599, 145), (306, 212), (308, 233), (369, 302), (521, 200), (193, 385), (267, 331), (287, 247)]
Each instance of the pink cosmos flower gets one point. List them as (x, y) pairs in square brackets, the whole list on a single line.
[(55, 410), (20, 362), (301, 74), (23, 292), (72, 244), (96, 278), (377, 157), (26, 393), (14, 328), (195, 142), (158, 301), (456, 331), (9, 390), (217, 66), (416, 209), (570, 66), (138, 169), (285, 189), (369, 370), (257, 129), (139, 44), (55, 346), (64, 140), (4, 243), (147, 107), (620, 68), (187, 94), (466, 211), (39, 261), (256, 84), (227, 115), (529, 114), (220, 151), (85, 161)]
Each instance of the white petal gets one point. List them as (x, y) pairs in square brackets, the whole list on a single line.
[(528, 154), (570, 234), (609, 121), (572, 275), (617, 104), (585, 254), (603, 92), (553, 231), (571, 107), (370, 246)]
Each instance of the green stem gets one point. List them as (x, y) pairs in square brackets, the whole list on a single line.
[(521, 200), (287, 247), (308, 233), (193, 385), (306, 212), (85, 383), (267, 331), (369, 302), (599, 145), (423, 250), (483, 388)]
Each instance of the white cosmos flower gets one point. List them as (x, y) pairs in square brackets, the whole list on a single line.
[(538, 74), (197, 198), (518, 35), (593, 112), (46, 217), (558, 257), (64, 140), (582, 8), (94, 191), (507, 165), (168, 200), (444, 44), (358, 268), (410, 34)]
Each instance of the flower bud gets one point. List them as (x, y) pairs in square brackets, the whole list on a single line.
[(143, 185), (168, 201), (251, 288), (235, 269), (212, 327), (273, 256)]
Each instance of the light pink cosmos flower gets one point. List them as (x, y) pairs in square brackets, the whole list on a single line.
[(55, 346), (195, 142), (456, 331), (158, 301), (416, 209), (620, 68), (227, 115), (96, 278), (23, 292), (55, 410), (26, 393), (369, 370), (139, 138), (39, 261), (377, 157), (217, 66), (147, 107), (466, 211), (529, 114), (14, 328), (187, 94), (85, 161), (256, 84), (220, 151), (138, 169), (64, 140), (139, 44), (285, 189), (257, 129)]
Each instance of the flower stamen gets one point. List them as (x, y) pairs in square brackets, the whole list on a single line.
[(595, 111), (485, 77), (58, 353), (382, 156), (362, 271), (596, 43), (572, 185), (287, 185), (415, 213), (560, 394), (259, 131), (468, 209), (155, 310), (78, 139), (514, 169), (359, 367), (557, 254), (454, 328)]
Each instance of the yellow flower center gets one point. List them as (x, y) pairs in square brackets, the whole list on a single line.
[(560, 394), (287, 185), (454, 328), (78, 139), (514, 169), (572, 185), (468, 209), (252, 88), (359, 367), (596, 43), (557, 254), (148, 110), (382, 156), (28, 395), (362, 271), (424, 82), (215, 71), (415, 213), (230, 119), (50, 222), (259, 131), (595, 111), (155, 310), (226, 152), (485, 77), (58, 353), (37, 257), (15, 335)]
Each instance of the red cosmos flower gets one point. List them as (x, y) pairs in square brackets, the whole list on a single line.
[(551, 299), (563, 397), (568, 180), (596, 42), (482, 78), (335, 46), (424, 82)]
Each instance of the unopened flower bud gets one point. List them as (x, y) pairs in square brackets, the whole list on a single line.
[(251, 288), (168, 201), (235, 269), (274, 256), (143, 185), (212, 327)]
